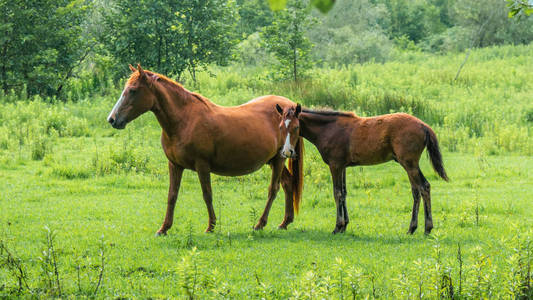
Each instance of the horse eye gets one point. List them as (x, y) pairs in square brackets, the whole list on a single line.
[(132, 91)]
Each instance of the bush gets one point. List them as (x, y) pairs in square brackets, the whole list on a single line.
[(39, 147)]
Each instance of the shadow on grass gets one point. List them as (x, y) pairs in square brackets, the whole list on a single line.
[(295, 237)]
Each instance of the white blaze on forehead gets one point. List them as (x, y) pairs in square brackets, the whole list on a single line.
[(287, 146), (117, 105), (287, 122)]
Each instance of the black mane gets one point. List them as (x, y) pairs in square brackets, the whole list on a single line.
[(327, 112)]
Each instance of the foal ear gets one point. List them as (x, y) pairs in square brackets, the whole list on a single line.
[(279, 109), (298, 110), (132, 68)]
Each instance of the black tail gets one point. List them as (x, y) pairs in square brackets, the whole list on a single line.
[(434, 153)]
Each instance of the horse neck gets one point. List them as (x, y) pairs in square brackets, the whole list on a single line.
[(175, 106), (311, 125)]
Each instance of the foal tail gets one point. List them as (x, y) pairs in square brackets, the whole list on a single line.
[(296, 169), (434, 152)]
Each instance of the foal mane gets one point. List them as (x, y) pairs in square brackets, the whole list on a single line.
[(328, 112)]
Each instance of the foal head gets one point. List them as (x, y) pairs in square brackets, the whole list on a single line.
[(290, 129), (136, 99)]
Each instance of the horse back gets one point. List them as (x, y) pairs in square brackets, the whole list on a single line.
[(382, 138)]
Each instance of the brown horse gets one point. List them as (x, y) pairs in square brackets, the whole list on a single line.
[(201, 136), (344, 139)]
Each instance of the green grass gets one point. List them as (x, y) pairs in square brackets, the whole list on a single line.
[(62, 167)]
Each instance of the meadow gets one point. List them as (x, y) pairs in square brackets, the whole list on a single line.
[(80, 201)]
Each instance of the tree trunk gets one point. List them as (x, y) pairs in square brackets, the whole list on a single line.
[(3, 73), (294, 65)]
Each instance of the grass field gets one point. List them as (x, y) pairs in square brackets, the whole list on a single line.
[(99, 195)]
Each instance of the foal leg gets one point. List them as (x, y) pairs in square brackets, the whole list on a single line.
[(286, 183), (175, 173), (344, 193), (336, 175), (277, 166), (426, 195), (204, 175), (414, 178)]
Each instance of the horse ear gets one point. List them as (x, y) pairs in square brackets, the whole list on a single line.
[(279, 109), (141, 71), (132, 68), (298, 110)]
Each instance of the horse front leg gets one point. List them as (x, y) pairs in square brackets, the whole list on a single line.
[(204, 175), (338, 192), (286, 183), (344, 208), (277, 166), (175, 172)]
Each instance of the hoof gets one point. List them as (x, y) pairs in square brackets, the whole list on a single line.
[(160, 233), (282, 227), (209, 230), (260, 225), (339, 228)]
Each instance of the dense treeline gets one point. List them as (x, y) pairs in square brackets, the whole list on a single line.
[(46, 44)]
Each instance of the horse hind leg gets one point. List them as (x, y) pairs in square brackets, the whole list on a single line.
[(426, 195), (414, 178), (289, 206)]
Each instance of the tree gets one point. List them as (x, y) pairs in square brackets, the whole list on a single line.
[(286, 39), (170, 36), (253, 15), (41, 44), (519, 8), (207, 28)]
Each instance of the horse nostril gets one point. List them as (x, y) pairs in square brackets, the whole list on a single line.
[(111, 120)]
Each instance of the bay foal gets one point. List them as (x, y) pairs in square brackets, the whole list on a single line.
[(207, 138), (344, 139)]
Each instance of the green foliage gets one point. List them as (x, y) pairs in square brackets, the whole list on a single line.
[(170, 37), (322, 5), (292, 47), (519, 8), (253, 15), (41, 44)]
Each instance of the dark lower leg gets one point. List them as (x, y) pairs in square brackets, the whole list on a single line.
[(336, 175), (414, 213), (345, 210), (426, 195)]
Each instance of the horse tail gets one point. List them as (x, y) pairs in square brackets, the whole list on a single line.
[(434, 154), (296, 169)]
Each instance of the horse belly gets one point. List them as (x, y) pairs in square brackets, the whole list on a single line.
[(371, 150), (236, 164)]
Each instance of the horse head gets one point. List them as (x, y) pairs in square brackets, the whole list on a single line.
[(136, 98), (290, 129)]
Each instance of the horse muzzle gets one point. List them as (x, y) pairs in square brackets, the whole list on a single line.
[(117, 124), (288, 153)]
